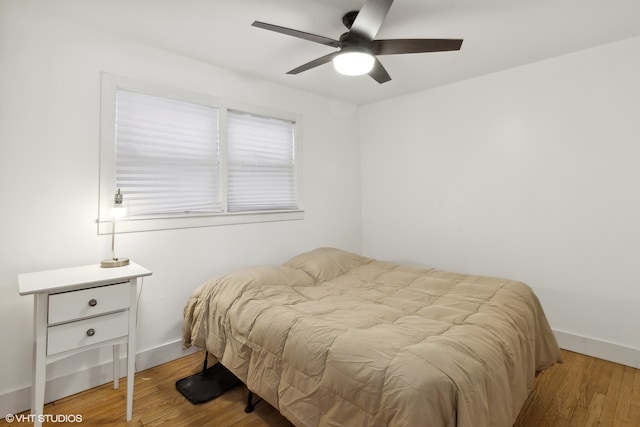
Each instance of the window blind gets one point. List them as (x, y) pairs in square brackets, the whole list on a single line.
[(261, 163), (167, 155)]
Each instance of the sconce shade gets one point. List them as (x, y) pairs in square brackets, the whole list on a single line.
[(118, 212)]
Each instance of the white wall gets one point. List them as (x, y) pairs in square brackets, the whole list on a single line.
[(530, 174), (49, 159)]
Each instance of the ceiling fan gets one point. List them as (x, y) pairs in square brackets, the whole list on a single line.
[(358, 47)]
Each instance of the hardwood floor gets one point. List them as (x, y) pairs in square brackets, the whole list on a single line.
[(583, 391)]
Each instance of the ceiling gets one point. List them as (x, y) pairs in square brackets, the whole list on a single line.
[(498, 34)]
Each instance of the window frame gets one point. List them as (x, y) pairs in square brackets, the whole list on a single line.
[(110, 83)]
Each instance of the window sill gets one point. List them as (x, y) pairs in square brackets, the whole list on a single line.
[(136, 224)]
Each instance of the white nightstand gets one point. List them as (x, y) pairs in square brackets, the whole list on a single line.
[(80, 308)]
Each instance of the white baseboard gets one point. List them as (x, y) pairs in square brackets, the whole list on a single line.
[(157, 356), (20, 400), (612, 352)]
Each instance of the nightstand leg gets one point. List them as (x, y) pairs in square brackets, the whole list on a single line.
[(39, 356), (116, 365), (131, 347)]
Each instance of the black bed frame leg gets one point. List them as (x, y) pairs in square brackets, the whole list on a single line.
[(206, 359), (251, 405)]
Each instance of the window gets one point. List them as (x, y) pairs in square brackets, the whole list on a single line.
[(166, 155), (188, 160), (261, 165)]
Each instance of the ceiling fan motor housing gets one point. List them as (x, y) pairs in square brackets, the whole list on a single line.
[(352, 41)]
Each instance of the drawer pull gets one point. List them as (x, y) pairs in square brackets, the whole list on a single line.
[(91, 332), (93, 302)]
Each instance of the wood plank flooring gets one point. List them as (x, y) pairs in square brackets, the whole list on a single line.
[(583, 391)]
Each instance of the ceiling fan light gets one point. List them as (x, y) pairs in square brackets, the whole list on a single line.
[(353, 63)]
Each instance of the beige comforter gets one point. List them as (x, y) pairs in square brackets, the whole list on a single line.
[(332, 338)]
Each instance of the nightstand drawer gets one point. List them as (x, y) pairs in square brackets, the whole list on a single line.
[(82, 333), (67, 306)]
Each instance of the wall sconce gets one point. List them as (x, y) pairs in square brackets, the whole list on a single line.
[(117, 211)]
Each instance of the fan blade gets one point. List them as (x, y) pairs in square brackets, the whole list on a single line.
[(378, 73), (397, 46), (314, 63), (370, 17), (295, 33)]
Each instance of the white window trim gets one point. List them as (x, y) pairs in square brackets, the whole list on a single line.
[(110, 84)]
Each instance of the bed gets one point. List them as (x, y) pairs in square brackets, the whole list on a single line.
[(333, 338)]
